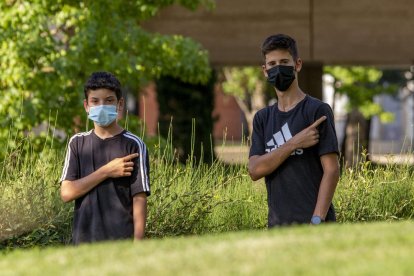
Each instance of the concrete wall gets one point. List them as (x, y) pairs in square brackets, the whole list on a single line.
[(362, 32)]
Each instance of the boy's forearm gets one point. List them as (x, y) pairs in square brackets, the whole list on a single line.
[(139, 215), (71, 190), (260, 166), (325, 195), (328, 184)]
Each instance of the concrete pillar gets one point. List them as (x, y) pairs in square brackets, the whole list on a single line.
[(310, 79)]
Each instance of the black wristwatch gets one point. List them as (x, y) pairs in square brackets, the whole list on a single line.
[(316, 220)]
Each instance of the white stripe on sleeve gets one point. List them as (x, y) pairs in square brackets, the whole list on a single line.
[(143, 158), (68, 154)]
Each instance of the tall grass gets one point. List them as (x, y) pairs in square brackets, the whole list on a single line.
[(372, 192), (29, 195), (198, 198), (190, 198), (203, 199)]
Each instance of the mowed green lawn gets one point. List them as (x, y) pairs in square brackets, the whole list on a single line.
[(339, 249)]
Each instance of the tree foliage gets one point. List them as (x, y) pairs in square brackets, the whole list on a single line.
[(241, 81), (360, 84), (248, 86), (49, 47)]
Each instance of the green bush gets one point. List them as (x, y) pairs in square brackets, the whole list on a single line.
[(187, 199), (30, 201), (190, 198), (370, 192), (200, 198)]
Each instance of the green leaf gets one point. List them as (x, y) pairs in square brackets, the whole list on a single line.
[(49, 47)]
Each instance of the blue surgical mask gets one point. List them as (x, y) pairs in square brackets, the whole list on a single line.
[(103, 115)]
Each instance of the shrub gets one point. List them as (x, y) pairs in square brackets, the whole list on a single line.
[(198, 199), (190, 198), (30, 201), (370, 192)]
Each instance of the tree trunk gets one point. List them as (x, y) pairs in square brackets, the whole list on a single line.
[(253, 104)]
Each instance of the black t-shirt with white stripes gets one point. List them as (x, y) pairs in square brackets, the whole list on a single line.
[(292, 189), (106, 211)]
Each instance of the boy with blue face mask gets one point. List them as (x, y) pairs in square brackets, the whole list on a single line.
[(106, 170), (294, 145)]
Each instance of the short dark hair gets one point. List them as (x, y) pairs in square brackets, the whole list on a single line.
[(105, 80), (280, 41)]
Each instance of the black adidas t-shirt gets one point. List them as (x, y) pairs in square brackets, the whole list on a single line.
[(292, 189), (106, 211)]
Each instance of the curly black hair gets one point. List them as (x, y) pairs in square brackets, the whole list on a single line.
[(280, 41), (100, 80)]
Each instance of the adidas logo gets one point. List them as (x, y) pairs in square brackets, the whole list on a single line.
[(279, 138)]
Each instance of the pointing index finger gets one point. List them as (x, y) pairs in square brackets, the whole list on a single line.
[(130, 157), (319, 121)]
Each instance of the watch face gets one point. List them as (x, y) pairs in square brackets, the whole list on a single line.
[(316, 220)]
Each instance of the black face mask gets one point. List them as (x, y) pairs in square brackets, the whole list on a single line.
[(281, 76)]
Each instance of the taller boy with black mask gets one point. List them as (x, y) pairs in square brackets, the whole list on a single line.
[(106, 170), (294, 144)]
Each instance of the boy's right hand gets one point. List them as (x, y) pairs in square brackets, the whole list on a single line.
[(309, 136), (120, 167)]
